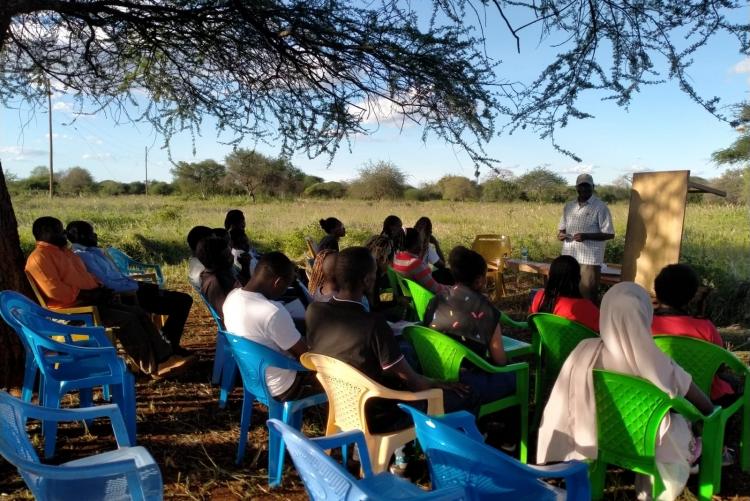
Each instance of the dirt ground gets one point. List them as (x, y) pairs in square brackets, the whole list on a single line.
[(194, 442)]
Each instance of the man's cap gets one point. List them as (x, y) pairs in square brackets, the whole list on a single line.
[(585, 179)]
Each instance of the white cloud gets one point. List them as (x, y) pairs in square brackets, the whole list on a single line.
[(577, 169), (743, 67), (97, 156), (380, 111), (93, 140), (19, 153), (62, 106), (55, 135)]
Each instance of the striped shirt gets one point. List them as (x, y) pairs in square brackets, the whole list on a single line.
[(413, 268), (590, 217)]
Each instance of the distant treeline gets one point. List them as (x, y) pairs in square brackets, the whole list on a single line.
[(246, 172)]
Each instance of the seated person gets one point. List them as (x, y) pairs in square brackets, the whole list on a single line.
[(244, 262), (235, 218), (433, 255), (393, 230), (409, 263), (252, 312), (62, 278), (334, 231), (381, 249), (195, 267), (562, 296), (465, 313), (625, 345), (176, 305), (343, 329), (322, 280), (675, 286), (218, 277)]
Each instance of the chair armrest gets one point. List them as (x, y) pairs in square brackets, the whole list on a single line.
[(346, 438), (151, 277), (462, 420), (67, 331), (111, 411), (483, 364), (736, 364), (506, 320), (123, 466), (86, 315), (689, 411), (434, 397)]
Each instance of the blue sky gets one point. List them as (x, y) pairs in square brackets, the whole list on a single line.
[(662, 130)]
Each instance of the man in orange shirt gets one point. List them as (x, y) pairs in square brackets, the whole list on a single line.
[(63, 280)]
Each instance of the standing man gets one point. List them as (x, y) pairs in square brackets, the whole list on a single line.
[(584, 228)]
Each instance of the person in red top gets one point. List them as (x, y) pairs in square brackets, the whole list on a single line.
[(409, 263), (63, 280), (675, 286), (562, 295)]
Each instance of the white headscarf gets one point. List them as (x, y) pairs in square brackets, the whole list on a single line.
[(568, 429)]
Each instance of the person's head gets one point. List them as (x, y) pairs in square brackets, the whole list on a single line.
[(273, 275), (220, 233), (214, 253), (424, 226), (234, 219), (413, 241), (676, 285), (564, 281), (82, 233), (238, 239), (50, 230), (355, 270), (392, 226), (333, 227), (468, 267), (197, 234), (381, 248), (626, 312), (584, 187)]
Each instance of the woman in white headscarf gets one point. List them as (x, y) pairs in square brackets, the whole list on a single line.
[(625, 345)]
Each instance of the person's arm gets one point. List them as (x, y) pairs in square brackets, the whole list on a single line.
[(299, 348), (417, 382), (45, 274), (699, 399), (580, 237), (496, 348), (561, 227)]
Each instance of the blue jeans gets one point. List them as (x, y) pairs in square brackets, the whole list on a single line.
[(489, 386)]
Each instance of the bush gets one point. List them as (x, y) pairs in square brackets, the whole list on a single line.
[(329, 190)]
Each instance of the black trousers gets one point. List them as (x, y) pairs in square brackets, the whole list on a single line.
[(176, 305)]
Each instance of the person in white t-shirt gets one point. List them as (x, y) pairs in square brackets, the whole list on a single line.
[(252, 312)]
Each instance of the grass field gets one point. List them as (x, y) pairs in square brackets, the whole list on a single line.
[(716, 238), (179, 422)]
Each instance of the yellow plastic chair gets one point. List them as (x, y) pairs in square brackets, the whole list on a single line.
[(349, 390), (494, 249)]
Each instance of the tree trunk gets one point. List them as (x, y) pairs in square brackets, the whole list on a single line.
[(11, 277)]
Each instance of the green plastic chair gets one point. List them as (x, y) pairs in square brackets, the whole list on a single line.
[(553, 339), (629, 411), (400, 289), (440, 357), (701, 360), (420, 296)]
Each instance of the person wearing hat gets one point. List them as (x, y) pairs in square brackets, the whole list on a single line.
[(584, 228)]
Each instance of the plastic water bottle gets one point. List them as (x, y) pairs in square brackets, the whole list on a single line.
[(524, 254)]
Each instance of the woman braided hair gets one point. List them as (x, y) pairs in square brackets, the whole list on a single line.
[(317, 276)]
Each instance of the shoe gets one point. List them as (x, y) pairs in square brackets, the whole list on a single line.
[(174, 363)]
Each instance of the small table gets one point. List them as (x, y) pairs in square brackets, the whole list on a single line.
[(609, 276), (515, 348)]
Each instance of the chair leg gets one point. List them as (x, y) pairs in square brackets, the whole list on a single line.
[(228, 375), (219, 354), (277, 447), (124, 397), (523, 452), (49, 428), (745, 437), (86, 399), (247, 412), (502, 283), (29, 377), (597, 472)]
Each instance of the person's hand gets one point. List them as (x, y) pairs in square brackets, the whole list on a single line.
[(579, 237), (461, 389), (561, 235)]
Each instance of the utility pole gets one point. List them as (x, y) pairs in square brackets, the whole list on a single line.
[(145, 148), (51, 170)]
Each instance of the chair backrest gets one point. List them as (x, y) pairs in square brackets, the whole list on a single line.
[(312, 247), (253, 359), (699, 358), (323, 478), (121, 260), (15, 445), (493, 248), (129, 266), (217, 318), (629, 411), (393, 280), (439, 356), (420, 296), (555, 338), (39, 296), (347, 391), (457, 459)]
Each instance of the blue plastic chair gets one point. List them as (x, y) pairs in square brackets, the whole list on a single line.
[(130, 267), (457, 456), (325, 479), (30, 367), (253, 359), (126, 473), (222, 355), (66, 366)]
